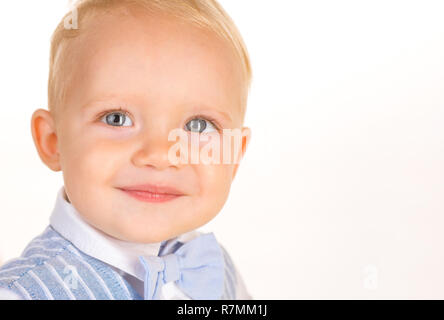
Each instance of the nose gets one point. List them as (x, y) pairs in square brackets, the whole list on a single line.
[(153, 151)]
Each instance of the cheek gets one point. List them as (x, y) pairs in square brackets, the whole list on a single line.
[(217, 148), (88, 161), (215, 182)]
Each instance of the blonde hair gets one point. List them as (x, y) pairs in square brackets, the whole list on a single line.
[(207, 14)]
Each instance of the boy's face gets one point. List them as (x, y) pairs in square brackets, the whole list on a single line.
[(164, 74)]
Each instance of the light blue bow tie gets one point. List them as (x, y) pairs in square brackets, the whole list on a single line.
[(197, 268)]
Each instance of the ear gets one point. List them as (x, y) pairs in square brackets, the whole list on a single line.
[(45, 138), (246, 136)]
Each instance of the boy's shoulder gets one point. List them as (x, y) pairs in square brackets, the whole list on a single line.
[(43, 254), (51, 267)]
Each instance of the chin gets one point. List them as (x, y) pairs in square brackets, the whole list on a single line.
[(141, 231), (147, 237)]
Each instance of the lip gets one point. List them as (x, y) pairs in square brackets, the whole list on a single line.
[(152, 193)]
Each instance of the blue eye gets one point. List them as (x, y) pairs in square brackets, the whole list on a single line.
[(199, 125), (117, 119)]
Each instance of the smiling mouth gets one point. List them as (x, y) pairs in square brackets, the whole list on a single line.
[(147, 196)]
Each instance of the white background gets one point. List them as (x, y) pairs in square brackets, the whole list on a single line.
[(340, 194)]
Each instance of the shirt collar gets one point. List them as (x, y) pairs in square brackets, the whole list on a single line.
[(67, 221)]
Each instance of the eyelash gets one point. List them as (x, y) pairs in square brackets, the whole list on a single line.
[(106, 112), (213, 121)]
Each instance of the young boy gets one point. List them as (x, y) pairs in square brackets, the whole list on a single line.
[(123, 76)]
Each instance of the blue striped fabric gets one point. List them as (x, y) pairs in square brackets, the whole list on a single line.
[(52, 268)]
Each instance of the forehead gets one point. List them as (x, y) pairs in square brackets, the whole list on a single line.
[(156, 58)]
